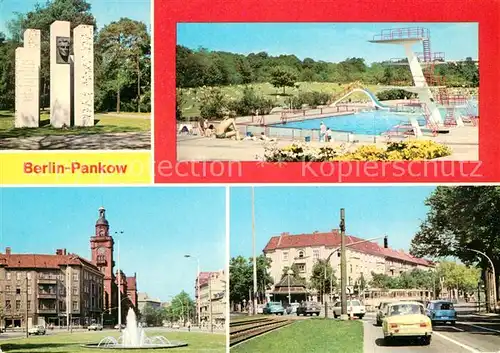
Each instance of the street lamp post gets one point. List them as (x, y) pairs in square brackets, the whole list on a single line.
[(119, 282), (254, 256), (343, 267), (198, 313), (289, 273), (494, 277)]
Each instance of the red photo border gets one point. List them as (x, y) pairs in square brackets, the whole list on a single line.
[(169, 13)]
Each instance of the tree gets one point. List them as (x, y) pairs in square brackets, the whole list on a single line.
[(124, 45), (458, 276), (241, 278), (283, 77), (459, 219), (182, 307), (322, 277), (150, 315)]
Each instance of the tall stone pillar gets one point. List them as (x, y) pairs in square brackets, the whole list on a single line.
[(60, 84), (83, 39), (27, 75)]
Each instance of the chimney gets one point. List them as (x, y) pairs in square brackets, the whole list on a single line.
[(59, 252), (7, 250), (64, 252)]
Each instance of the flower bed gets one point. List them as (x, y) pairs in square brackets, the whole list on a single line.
[(394, 151)]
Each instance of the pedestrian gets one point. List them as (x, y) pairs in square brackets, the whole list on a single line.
[(189, 326), (322, 132)]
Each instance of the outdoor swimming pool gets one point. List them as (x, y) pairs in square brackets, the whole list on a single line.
[(365, 123)]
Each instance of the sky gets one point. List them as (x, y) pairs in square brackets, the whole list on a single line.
[(369, 212), (160, 225), (331, 42), (105, 11)]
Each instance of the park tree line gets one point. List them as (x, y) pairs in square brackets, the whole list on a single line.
[(181, 309), (122, 56), (201, 67), (460, 220)]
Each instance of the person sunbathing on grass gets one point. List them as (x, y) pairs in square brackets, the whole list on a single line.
[(227, 129), (263, 137)]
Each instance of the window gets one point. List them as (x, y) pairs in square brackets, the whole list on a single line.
[(350, 268), (18, 305), (7, 289), (18, 290), (8, 276), (28, 275), (301, 267), (301, 254), (285, 256), (7, 304), (75, 276), (29, 289), (75, 306), (29, 305), (61, 290), (75, 290), (18, 276), (316, 254)]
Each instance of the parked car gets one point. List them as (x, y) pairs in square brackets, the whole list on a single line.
[(292, 308), (354, 306), (381, 312), (309, 308), (406, 320), (260, 309), (274, 308), (37, 330), (118, 326), (95, 327), (441, 311)]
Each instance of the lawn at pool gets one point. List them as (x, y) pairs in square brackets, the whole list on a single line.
[(190, 108), (311, 336), (66, 342), (105, 123)]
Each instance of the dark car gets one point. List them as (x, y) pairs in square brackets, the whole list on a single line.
[(441, 311), (309, 308)]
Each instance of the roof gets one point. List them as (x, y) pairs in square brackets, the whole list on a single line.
[(294, 282), (332, 239), (204, 276), (43, 261), (102, 217)]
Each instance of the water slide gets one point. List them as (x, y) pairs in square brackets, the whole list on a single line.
[(370, 95)]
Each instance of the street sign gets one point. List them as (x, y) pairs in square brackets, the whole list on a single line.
[(350, 289)]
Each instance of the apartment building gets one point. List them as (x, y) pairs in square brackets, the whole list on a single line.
[(304, 250), (47, 289), (212, 293)]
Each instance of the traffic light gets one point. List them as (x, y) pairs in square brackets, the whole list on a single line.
[(386, 243)]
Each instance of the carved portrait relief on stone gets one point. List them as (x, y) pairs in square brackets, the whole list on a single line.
[(62, 50)]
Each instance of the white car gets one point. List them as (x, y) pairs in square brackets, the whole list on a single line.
[(37, 330), (95, 327), (355, 306)]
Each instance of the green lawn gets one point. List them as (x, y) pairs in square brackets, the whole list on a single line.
[(66, 343), (191, 106), (111, 122), (311, 336)]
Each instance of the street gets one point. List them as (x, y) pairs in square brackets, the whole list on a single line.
[(472, 333)]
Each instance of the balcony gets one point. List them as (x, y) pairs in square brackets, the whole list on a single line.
[(47, 310), (47, 295), (50, 280)]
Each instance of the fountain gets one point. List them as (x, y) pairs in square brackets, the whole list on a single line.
[(134, 337)]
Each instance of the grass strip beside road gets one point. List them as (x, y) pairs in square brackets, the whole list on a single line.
[(66, 342), (312, 336)]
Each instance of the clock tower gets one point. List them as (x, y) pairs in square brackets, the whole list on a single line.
[(101, 245)]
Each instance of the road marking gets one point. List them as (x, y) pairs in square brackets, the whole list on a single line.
[(480, 327), (456, 328), (464, 346)]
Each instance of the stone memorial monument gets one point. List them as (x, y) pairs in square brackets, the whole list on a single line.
[(27, 87), (83, 75), (60, 82), (71, 77)]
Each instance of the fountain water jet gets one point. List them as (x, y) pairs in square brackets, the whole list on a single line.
[(134, 337)]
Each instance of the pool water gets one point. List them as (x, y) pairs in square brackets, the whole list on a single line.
[(365, 123), (369, 123)]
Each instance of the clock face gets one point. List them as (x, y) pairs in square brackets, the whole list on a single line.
[(101, 251)]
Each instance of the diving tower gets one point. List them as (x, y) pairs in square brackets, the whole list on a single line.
[(409, 37)]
